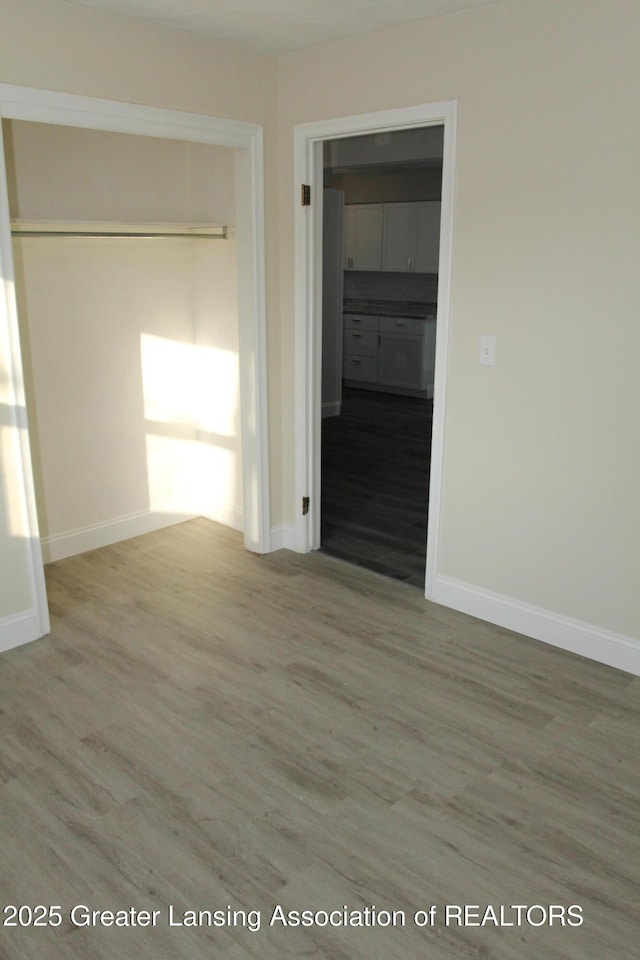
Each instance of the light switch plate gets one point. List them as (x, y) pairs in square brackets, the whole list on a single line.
[(487, 354)]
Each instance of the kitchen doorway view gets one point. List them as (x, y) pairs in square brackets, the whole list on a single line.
[(381, 232)]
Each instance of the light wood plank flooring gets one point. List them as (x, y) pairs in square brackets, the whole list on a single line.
[(208, 728)]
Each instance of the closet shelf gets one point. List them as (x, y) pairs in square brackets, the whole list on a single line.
[(119, 231)]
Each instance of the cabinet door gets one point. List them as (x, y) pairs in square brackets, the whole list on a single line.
[(364, 369), (398, 236), (360, 343), (427, 236), (400, 361), (363, 236)]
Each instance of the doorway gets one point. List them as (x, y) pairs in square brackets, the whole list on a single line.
[(377, 384), (23, 601), (309, 141)]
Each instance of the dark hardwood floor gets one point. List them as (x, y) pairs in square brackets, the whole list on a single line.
[(375, 483)]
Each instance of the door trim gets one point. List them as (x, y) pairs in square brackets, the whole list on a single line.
[(308, 144), (45, 106)]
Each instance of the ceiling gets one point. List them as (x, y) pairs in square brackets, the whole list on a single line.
[(277, 26)]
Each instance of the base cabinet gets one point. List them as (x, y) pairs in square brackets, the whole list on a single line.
[(400, 362), (394, 354)]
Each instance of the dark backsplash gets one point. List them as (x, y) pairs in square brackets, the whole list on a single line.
[(415, 287)]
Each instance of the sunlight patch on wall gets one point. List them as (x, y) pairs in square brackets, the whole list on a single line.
[(188, 384), (191, 405), (189, 476), (15, 519)]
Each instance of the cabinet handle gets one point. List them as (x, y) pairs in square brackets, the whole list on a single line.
[(401, 323), (353, 360), (356, 335)]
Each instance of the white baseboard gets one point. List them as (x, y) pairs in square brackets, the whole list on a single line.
[(123, 528), (575, 636), (283, 537), (229, 516), (103, 534), (18, 629)]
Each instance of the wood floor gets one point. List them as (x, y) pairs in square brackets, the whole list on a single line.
[(375, 483), (209, 729)]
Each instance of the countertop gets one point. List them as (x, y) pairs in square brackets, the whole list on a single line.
[(391, 308)]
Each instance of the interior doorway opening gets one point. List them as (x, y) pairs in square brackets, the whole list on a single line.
[(310, 140), (381, 232)]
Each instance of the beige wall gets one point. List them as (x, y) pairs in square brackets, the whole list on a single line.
[(122, 348), (541, 460), (57, 173)]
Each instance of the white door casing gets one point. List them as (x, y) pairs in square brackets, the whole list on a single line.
[(43, 106), (308, 142)]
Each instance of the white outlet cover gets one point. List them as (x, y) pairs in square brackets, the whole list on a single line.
[(487, 352)]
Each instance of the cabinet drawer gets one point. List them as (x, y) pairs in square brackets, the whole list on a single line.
[(360, 343), (411, 325), (360, 368), (360, 321)]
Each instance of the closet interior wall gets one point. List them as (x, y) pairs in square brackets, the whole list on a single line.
[(130, 346)]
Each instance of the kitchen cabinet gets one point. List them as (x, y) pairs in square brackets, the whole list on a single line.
[(362, 234), (427, 237), (392, 354), (360, 348), (411, 237), (399, 239), (401, 354)]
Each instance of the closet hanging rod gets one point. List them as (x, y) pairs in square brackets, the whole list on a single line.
[(221, 234)]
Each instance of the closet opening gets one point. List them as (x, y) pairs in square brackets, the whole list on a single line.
[(126, 286), (139, 386)]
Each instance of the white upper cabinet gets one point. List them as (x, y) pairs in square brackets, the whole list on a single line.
[(398, 236), (363, 236), (401, 237), (411, 237), (427, 237)]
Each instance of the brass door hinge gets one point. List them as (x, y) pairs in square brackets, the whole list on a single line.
[(305, 195), (305, 506)]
